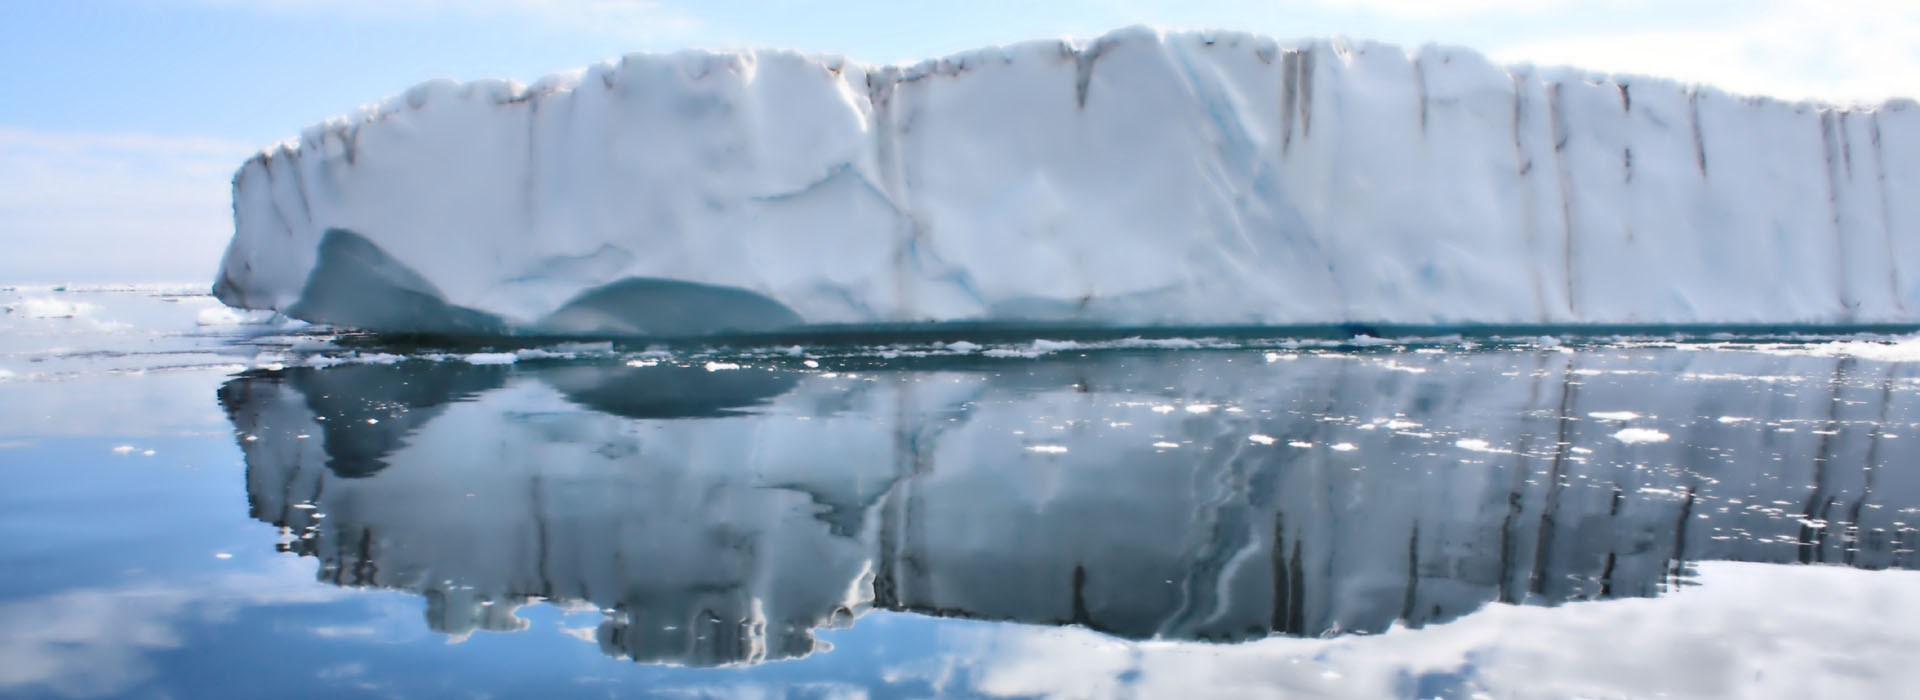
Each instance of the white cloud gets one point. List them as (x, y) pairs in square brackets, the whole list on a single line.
[(1833, 50), (1860, 51), (79, 206), (628, 19), (1447, 8)]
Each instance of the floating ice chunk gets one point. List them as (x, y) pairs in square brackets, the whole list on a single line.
[(228, 316), (48, 307), (1259, 439), (564, 351), (1905, 349), (218, 316), (1613, 415), (1475, 444), (1633, 436), (491, 358)]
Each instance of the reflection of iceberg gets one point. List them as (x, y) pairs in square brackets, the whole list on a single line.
[(1197, 496)]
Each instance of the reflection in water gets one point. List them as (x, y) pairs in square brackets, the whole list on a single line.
[(722, 516)]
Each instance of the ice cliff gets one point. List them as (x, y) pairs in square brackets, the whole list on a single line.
[(1144, 178)]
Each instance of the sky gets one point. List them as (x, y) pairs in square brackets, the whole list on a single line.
[(125, 119)]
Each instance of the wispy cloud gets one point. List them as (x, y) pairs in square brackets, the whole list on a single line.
[(1801, 49), (627, 19), (122, 206), (1449, 8), (1854, 50)]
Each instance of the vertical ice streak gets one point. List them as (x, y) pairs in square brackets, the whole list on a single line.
[(1830, 129), (1693, 123), (1894, 276), (1556, 116)]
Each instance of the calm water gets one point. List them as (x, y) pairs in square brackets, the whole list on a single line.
[(195, 508)]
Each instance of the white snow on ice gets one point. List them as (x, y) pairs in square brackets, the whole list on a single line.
[(1141, 178)]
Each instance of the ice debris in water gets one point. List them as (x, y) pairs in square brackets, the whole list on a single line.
[(228, 316), (48, 308), (1474, 444), (491, 358), (1613, 415), (1633, 436)]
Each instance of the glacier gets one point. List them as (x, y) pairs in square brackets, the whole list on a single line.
[(1142, 179)]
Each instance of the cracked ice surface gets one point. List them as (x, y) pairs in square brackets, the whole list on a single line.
[(1141, 179)]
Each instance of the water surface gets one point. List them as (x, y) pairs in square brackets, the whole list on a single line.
[(235, 510)]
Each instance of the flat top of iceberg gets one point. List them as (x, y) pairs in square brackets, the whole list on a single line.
[(505, 90)]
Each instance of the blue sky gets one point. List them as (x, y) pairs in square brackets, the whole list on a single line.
[(125, 118)]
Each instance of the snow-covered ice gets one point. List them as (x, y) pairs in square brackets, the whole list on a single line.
[(1144, 178)]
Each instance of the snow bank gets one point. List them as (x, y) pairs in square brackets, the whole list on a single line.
[(1143, 178)]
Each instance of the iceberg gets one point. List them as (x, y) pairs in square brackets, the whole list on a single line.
[(1141, 179)]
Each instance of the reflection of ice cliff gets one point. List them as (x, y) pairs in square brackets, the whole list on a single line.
[(1143, 178), (723, 516)]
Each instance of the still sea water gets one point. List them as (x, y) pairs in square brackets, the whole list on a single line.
[(197, 504)]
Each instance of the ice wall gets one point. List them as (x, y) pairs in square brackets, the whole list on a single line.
[(1144, 178)]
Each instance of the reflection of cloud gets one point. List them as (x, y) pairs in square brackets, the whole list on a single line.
[(82, 201), (1751, 630), (764, 691), (96, 641)]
